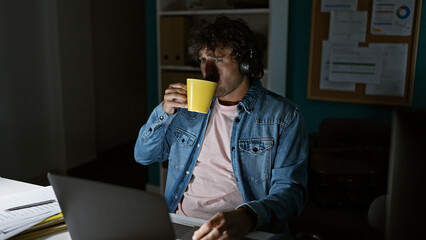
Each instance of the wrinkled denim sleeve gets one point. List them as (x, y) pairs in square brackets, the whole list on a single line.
[(152, 143), (288, 192)]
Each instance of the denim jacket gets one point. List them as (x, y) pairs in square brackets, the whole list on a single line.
[(269, 150)]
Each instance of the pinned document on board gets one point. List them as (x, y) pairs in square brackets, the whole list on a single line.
[(348, 26), (392, 77), (356, 64), (338, 5), (325, 82), (392, 17)]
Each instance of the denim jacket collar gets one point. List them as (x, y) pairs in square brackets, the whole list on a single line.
[(251, 97)]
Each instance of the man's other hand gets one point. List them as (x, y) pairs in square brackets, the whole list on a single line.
[(174, 97), (225, 225)]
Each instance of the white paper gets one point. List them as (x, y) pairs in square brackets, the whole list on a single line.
[(348, 26), (27, 197), (392, 17), (338, 5), (325, 68), (9, 186), (13, 222), (9, 219), (355, 65), (394, 68)]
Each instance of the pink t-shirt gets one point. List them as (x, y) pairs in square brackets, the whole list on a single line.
[(212, 187)]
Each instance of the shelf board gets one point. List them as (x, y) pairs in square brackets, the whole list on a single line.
[(180, 68), (188, 68), (215, 12)]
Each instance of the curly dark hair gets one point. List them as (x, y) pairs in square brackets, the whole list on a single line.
[(233, 33)]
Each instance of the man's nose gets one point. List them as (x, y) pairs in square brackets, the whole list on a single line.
[(211, 72)]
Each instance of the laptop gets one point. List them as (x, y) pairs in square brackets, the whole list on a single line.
[(95, 210)]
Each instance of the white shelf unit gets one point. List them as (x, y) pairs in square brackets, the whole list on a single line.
[(215, 12), (270, 22)]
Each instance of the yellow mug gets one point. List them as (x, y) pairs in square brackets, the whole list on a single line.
[(199, 94)]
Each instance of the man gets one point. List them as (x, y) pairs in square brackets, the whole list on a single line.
[(242, 166)]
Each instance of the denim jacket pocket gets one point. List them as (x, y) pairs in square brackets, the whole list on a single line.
[(183, 137), (255, 158), (181, 148)]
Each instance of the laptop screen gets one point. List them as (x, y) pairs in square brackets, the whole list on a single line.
[(95, 210)]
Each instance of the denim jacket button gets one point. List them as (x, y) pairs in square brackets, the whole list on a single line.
[(233, 148), (237, 120), (187, 172), (176, 197)]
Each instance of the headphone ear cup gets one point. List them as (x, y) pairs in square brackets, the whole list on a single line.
[(245, 63), (248, 60), (245, 68)]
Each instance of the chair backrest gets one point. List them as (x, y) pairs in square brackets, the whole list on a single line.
[(349, 161), (335, 132)]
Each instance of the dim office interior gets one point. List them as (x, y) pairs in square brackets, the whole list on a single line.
[(79, 78)]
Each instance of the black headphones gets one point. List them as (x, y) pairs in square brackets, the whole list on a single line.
[(248, 58), (247, 61)]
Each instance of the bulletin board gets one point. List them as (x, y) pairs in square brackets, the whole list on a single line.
[(360, 92)]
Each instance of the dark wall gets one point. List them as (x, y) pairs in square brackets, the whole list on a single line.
[(119, 68)]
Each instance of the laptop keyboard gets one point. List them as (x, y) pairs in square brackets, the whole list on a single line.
[(183, 232)]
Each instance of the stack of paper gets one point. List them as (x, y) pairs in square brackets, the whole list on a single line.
[(14, 221), (48, 226)]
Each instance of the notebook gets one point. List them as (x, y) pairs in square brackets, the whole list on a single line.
[(95, 210)]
